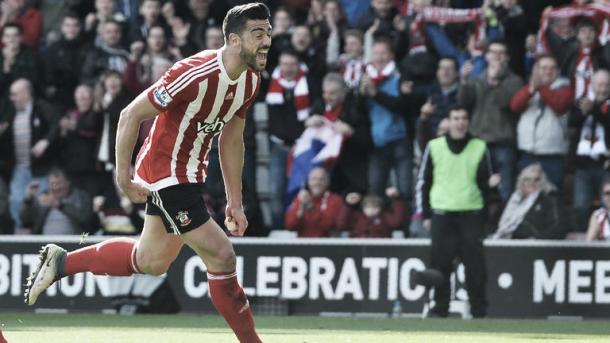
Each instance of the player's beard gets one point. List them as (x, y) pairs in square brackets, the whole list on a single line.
[(249, 59)]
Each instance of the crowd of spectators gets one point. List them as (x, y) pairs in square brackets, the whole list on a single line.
[(383, 74)]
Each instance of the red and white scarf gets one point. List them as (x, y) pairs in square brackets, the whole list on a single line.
[(443, 15), (378, 76), (583, 74), (275, 93), (352, 70), (599, 13)]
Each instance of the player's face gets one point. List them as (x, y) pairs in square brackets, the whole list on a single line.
[(458, 124), (256, 41)]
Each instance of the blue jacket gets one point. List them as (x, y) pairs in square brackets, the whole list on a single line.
[(386, 126)]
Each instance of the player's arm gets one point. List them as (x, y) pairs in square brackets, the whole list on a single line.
[(137, 111), (231, 151)]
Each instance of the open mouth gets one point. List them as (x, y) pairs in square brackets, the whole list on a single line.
[(261, 55)]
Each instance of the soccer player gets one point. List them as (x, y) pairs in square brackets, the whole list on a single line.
[(199, 97)]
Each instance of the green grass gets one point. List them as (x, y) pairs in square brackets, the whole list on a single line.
[(85, 328)]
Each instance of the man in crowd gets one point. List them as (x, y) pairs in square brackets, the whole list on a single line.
[(28, 133), (62, 210)]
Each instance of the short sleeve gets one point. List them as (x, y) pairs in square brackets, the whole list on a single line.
[(170, 89), (241, 112)]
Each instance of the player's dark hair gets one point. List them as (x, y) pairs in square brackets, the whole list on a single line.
[(457, 107), (236, 18)]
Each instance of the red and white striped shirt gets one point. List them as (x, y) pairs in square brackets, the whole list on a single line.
[(195, 98)]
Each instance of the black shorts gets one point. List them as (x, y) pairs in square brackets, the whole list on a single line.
[(181, 207)]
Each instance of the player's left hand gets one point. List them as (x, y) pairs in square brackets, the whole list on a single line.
[(235, 220)]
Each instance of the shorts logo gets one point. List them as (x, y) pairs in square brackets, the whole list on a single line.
[(161, 96), (183, 217)]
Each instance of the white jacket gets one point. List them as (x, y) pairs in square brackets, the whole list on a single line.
[(542, 131)]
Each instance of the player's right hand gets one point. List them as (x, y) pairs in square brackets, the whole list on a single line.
[(136, 193)]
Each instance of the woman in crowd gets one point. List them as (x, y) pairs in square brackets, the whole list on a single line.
[(533, 210), (599, 226)]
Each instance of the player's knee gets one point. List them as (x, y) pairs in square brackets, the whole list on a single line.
[(226, 257), (152, 266), (155, 268)]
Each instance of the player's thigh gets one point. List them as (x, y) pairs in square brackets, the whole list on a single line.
[(155, 244), (211, 243)]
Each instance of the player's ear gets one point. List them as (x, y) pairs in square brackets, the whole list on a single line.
[(234, 40)]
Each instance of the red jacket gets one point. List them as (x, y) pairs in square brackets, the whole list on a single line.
[(318, 221), (379, 227), (31, 24)]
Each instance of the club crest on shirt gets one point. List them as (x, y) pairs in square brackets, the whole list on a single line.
[(183, 217), (161, 96)]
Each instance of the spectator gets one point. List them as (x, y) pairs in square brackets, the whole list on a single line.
[(108, 55), (17, 60), (350, 63), (372, 220), (199, 20), (381, 14), (513, 22), (150, 16), (452, 184), (111, 98), (63, 62), (94, 21), (544, 105), (24, 15), (533, 210), (288, 100), (147, 63), (578, 59), (599, 223), (488, 97), (313, 213), (214, 38), (62, 210), (329, 19), (27, 141), (343, 108), (302, 42), (392, 143), (591, 119), (440, 98), (283, 26), (7, 226), (79, 133)]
